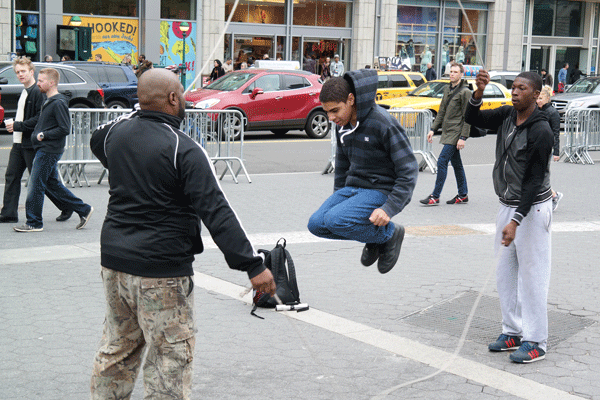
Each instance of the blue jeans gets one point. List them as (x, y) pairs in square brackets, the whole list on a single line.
[(44, 176), (345, 216), (450, 154)]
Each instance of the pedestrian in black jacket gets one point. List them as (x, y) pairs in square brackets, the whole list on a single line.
[(521, 177), (217, 71), (544, 104), (22, 152), (430, 74), (162, 184), (48, 139)]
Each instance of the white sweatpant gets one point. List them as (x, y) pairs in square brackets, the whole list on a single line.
[(523, 273)]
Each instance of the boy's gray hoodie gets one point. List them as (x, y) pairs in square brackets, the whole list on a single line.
[(376, 154)]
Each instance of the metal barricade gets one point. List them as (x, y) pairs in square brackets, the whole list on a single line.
[(417, 124), (582, 134), (219, 132)]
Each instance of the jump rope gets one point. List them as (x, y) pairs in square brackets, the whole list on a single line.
[(285, 308)]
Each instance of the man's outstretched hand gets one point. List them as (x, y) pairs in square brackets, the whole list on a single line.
[(264, 282)]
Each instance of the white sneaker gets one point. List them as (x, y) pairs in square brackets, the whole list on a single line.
[(555, 200)]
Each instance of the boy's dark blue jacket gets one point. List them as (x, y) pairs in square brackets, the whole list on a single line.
[(377, 154), (55, 123)]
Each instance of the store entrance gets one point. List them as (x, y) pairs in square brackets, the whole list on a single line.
[(315, 52), (248, 49)]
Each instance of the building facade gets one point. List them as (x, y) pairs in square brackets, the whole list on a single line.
[(511, 35)]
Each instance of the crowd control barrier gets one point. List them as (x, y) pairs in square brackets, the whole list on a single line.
[(220, 133), (416, 124), (582, 134)]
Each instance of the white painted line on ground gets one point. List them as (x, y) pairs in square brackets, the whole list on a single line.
[(83, 250), (403, 347)]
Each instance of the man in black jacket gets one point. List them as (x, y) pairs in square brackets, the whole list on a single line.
[(22, 152), (521, 178), (162, 184), (48, 139)]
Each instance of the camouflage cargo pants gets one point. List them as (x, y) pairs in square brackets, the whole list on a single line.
[(152, 313)]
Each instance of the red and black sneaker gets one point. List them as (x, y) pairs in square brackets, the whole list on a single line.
[(458, 199), (430, 201)]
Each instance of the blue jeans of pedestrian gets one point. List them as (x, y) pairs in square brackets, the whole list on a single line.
[(450, 154), (44, 176), (345, 216)]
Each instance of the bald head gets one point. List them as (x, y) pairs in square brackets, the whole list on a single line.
[(160, 90)]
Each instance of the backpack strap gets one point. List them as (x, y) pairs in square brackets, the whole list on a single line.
[(292, 276)]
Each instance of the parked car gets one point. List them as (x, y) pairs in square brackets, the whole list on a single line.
[(275, 100), (585, 93), (505, 78), (429, 96), (117, 80), (392, 84), (77, 85)]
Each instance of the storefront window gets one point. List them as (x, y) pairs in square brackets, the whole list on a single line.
[(117, 8), (256, 11), (279, 54), (558, 18), (178, 9), (27, 5), (417, 35), (316, 53), (323, 13), (249, 49)]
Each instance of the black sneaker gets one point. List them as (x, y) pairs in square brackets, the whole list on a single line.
[(458, 199), (528, 352), (505, 343), (8, 219), (85, 219), (64, 215), (27, 228), (370, 254), (430, 201), (390, 250)]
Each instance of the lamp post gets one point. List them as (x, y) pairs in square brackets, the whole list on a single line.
[(183, 27), (76, 21)]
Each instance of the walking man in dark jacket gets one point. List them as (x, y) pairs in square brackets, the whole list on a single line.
[(48, 139), (375, 171), (521, 178), (162, 184), (430, 74), (455, 132), (22, 152)]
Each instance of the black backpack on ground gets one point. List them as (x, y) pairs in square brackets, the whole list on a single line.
[(280, 263)]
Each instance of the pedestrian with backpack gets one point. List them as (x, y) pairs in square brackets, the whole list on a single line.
[(375, 171)]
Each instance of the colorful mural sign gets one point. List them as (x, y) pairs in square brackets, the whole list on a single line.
[(111, 37), (172, 47)]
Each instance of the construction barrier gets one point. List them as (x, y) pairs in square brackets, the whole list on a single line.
[(219, 132), (416, 124), (582, 134)]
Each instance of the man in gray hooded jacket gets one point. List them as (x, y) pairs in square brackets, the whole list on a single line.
[(375, 171)]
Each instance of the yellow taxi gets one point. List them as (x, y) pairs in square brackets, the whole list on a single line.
[(392, 84), (429, 96)]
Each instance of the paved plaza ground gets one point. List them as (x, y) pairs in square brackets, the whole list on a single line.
[(366, 335)]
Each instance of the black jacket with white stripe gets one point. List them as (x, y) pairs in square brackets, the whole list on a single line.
[(162, 184)]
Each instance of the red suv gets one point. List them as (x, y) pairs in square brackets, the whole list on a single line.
[(275, 100)]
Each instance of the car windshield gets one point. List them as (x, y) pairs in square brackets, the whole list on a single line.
[(430, 89), (231, 82), (585, 86)]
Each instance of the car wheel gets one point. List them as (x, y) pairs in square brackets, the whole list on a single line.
[(317, 125), (231, 124), (280, 132), (116, 105)]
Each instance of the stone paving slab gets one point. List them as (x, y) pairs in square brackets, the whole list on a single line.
[(53, 302)]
